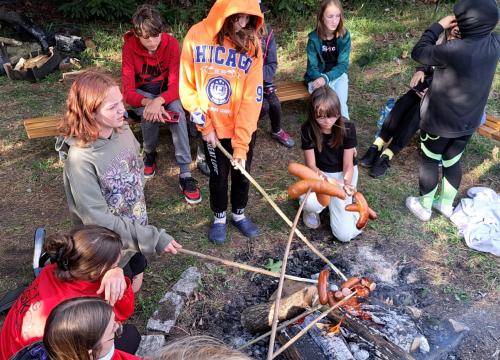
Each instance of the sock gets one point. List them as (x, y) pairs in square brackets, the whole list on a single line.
[(448, 193), (185, 175), (220, 218), (388, 152), (379, 143), (239, 215), (427, 199)]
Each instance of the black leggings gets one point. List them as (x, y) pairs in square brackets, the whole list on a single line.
[(220, 166), (271, 104), (402, 122), (447, 150), (129, 340)]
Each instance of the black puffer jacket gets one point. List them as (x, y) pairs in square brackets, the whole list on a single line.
[(464, 70)]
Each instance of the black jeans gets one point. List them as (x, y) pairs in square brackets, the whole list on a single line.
[(402, 122), (271, 104), (220, 166)]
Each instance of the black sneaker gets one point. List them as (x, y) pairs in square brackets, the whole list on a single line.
[(371, 155), (380, 166), (149, 164), (190, 190)]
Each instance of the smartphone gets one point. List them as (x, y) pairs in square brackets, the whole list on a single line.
[(174, 117)]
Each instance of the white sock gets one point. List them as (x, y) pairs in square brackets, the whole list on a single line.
[(238, 217), (220, 218)]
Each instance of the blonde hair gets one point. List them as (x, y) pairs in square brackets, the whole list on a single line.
[(199, 348)]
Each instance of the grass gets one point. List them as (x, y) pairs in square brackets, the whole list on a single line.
[(378, 70)]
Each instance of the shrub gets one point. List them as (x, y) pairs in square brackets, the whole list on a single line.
[(103, 9)]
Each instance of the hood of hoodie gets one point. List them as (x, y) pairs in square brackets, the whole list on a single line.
[(222, 9), (100, 142), (141, 50), (476, 18)]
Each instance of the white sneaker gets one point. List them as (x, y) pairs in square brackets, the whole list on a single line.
[(413, 204), (445, 210), (311, 220)]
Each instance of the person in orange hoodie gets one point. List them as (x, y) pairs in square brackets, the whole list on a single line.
[(220, 84)]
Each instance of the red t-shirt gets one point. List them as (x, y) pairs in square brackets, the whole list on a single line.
[(25, 321)]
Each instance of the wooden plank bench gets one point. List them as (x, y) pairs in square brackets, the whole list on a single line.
[(47, 125), (491, 128)]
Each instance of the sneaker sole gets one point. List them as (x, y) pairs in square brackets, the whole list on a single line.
[(150, 175), (191, 201)]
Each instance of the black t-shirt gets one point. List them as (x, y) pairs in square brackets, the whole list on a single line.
[(330, 53), (330, 159)]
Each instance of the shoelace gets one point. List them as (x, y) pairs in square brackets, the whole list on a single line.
[(190, 184)]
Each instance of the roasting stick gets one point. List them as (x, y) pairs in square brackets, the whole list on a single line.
[(282, 278), (282, 326), (245, 266), (311, 324), (282, 214)]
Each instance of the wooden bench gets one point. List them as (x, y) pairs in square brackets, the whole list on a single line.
[(47, 125), (491, 128)]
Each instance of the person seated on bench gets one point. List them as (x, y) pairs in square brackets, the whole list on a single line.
[(80, 328), (328, 49), (271, 104), (329, 143), (403, 121), (150, 80), (83, 262), (103, 173)]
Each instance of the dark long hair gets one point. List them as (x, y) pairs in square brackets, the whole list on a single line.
[(86, 253), (76, 326), (320, 25), (247, 40), (325, 103)]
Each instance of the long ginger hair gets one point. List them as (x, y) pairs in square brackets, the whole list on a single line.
[(85, 96)]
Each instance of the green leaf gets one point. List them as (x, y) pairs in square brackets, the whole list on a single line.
[(274, 266)]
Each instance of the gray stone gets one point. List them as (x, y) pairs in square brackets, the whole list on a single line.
[(361, 355), (150, 344), (188, 282), (458, 326), (168, 310), (424, 345)]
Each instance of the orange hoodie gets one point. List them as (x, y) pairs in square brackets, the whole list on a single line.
[(224, 85)]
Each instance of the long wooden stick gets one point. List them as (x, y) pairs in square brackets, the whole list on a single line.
[(282, 278), (311, 324), (282, 214), (282, 326), (245, 266)]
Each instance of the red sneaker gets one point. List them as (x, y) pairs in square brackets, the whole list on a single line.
[(283, 138), (190, 190), (149, 164)]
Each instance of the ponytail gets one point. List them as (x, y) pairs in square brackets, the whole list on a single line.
[(86, 253)]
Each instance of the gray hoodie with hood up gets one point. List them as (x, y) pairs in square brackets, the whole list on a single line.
[(104, 185), (464, 70)]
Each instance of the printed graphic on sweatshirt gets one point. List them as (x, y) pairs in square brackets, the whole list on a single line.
[(216, 54), (218, 90), (121, 186)]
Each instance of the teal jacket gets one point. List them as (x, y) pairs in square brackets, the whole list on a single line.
[(316, 64)]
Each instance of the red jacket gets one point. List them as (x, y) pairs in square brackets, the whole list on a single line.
[(122, 355), (25, 321), (140, 67)]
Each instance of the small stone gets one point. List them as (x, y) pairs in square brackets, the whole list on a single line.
[(424, 345), (415, 344), (28, 190), (149, 345), (458, 326), (361, 355), (415, 312), (354, 347)]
